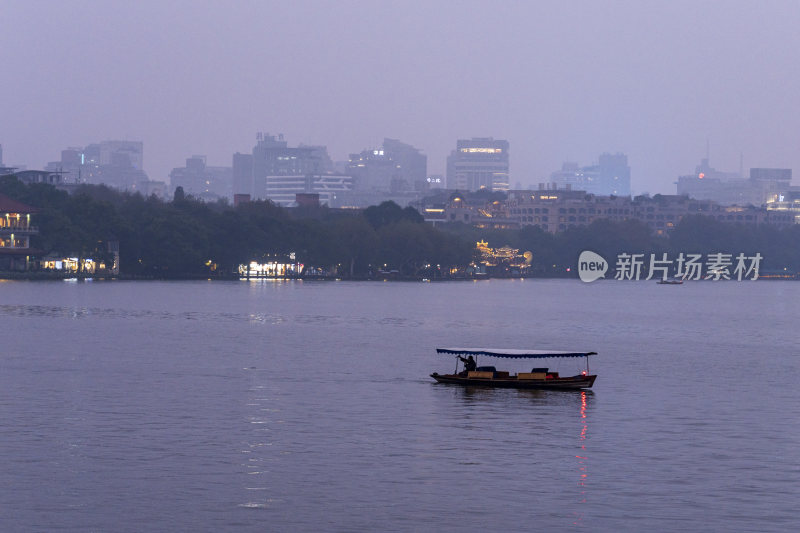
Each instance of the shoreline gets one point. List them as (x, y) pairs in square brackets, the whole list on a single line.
[(57, 276)]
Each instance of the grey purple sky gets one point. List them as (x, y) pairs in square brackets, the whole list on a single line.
[(560, 80)]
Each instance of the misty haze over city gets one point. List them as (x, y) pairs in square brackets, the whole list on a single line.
[(360, 266), (660, 82)]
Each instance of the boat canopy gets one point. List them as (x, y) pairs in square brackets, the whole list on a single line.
[(514, 354)]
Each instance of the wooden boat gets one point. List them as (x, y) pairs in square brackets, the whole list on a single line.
[(537, 378)]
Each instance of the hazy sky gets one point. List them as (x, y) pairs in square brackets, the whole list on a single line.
[(560, 80)]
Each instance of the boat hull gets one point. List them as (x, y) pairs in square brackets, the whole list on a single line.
[(570, 383)]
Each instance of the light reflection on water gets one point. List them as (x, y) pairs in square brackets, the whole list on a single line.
[(582, 459), (206, 406)]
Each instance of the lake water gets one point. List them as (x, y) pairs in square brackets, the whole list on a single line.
[(296, 406)]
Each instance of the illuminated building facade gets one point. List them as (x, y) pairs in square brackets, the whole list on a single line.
[(557, 210), (786, 203), (478, 163), (554, 210), (278, 267), (503, 261), (15, 233)]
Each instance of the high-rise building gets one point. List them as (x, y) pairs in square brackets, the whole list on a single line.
[(394, 167), (1, 155), (201, 180), (478, 163), (611, 176), (373, 170), (114, 163), (273, 157), (243, 174), (412, 164), (727, 188), (614, 174), (122, 153)]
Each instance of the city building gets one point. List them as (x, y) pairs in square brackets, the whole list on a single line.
[(610, 176), (117, 164), (553, 210), (15, 233), (242, 174), (788, 203), (359, 199), (283, 189), (412, 165), (479, 163), (763, 185), (395, 167), (39, 176), (374, 170), (272, 156), (202, 181)]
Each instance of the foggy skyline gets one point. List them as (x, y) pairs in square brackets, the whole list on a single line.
[(559, 81)]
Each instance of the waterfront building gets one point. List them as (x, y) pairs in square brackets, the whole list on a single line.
[(479, 163), (15, 233), (554, 210), (786, 203), (557, 210), (98, 264)]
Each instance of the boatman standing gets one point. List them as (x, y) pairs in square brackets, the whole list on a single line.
[(469, 363)]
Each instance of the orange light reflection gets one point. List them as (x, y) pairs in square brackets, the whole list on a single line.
[(582, 459)]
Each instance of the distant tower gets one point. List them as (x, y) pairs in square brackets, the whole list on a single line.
[(1, 155)]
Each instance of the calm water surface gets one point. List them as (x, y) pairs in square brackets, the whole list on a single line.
[(262, 406)]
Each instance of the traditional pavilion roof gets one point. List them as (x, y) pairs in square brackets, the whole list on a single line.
[(7, 205)]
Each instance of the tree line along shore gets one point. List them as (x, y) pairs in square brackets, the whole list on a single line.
[(186, 238)]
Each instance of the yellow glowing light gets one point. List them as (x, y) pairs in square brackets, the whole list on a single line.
[(481, 150)]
